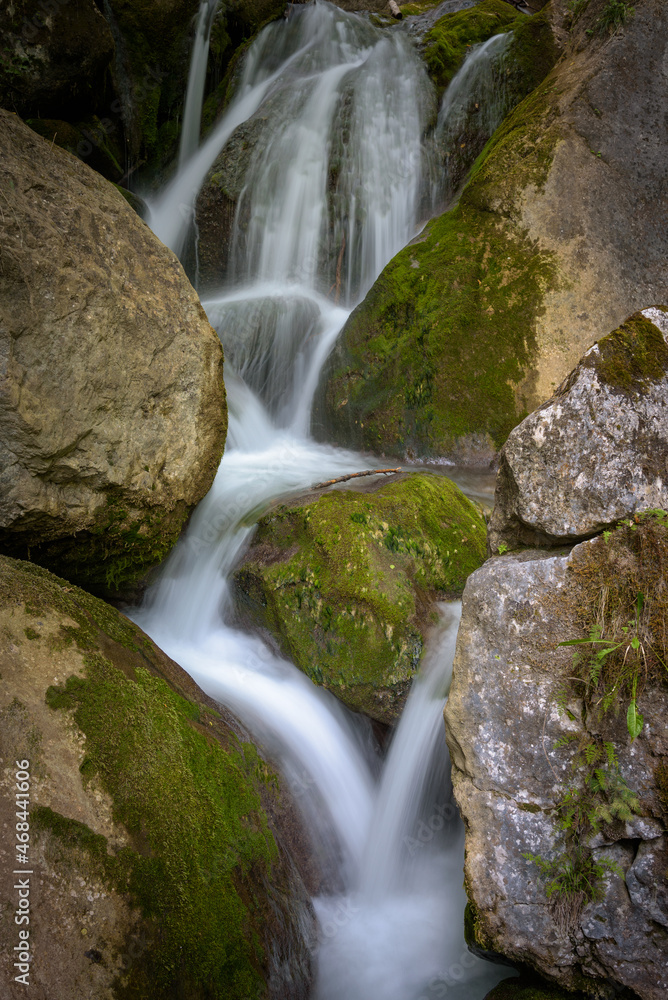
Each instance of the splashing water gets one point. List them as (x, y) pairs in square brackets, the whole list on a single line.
[(337, 185)]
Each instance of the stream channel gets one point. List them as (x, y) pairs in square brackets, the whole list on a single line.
[(339, 110)]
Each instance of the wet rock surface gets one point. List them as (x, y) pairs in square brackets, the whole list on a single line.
[(554, 241)]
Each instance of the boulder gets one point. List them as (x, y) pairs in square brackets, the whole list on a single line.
[(112, 403), (597, 451), (566, 814), (345, 582), (554, 240), (160, 840), (55, 57)]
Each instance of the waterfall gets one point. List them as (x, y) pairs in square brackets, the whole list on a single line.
[(336, 186), (192, 108), (473, 106)]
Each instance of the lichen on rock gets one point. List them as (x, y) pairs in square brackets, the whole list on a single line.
[(597, 451), (344, 581), (517, 727), (157, 828)]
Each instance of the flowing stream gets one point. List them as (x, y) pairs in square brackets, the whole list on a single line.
[(338, 182)]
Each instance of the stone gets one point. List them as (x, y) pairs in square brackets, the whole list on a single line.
[(55, 57), (515, 724), (156, 828), (112, 402), (597, 451), (345, 581), (554, 241)]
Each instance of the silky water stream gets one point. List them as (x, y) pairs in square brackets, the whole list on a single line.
[(338, 181)]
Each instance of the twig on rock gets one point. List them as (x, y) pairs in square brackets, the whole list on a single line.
[(354, 475)]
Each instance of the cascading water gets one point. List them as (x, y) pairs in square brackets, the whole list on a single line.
[(336, 187), (192, 108), (473, 106)]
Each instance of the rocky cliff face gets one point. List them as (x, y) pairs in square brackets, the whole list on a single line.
[(560, 752), (554, 240), (157, 832), (112, 403)]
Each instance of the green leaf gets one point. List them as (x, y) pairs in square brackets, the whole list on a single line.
[(634, 720)]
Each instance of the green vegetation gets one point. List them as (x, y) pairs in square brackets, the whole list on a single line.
[(617, 596), (446, 45), (576, 9), (614, 15), (189, 793), (344, 581), (445, 337), (116, 553), (194, 812), (631, 357)]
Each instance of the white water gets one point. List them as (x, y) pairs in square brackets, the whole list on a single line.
[(479, 90), (340, 155), (192, 108)]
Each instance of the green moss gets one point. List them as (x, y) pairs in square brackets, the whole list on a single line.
[(118, 552), (631, 357), (447, 334), (346, 586), (193, 810), (70, 832), (41, 591), (435, 350), (446, 44)]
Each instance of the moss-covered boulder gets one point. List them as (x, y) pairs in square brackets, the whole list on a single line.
[(345, 581), (157, 854), (446, 44), (112, 402), (552, 244)]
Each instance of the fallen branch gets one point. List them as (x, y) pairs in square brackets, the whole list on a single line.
[(354, 475)]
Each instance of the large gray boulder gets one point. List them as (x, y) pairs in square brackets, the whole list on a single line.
[(512, 768), (112, 403), (597, 451)]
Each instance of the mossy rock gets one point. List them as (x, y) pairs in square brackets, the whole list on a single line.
[(436, 358), (447, 43), (160, 871), (345, 581)]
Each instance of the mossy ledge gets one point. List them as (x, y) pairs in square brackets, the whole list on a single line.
[(446, 44), (438, 350), (345, 581), (201, 860)]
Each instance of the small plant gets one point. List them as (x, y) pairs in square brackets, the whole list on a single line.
[(576, 8), (630, 660), (573, 880), (614, 15)]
